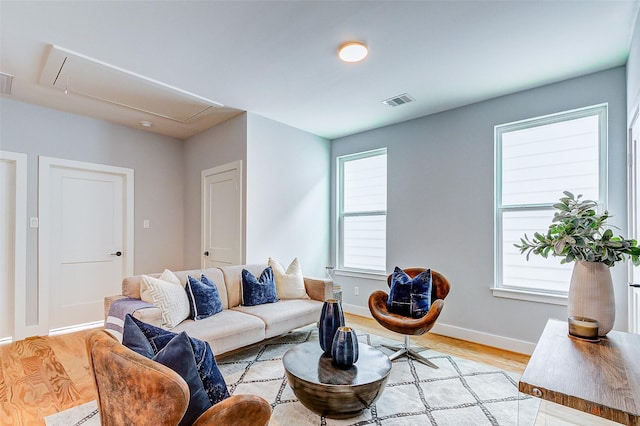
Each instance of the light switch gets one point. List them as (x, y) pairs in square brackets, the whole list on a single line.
[(33, 222), (145, 224)]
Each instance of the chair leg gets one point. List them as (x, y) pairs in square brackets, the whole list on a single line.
[(417, 357), (405, 350)]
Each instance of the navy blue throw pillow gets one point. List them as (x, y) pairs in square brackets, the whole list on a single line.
[(134, 338), (410, 297), (178, 356), (257, 291), (203, 296), (212, 379)]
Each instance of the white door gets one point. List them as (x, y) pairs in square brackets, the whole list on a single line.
[(222, 215), (86, 230), (13, 207), (7, 246)]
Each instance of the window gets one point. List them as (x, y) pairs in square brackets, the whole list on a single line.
[(536, 160), (362, 211)]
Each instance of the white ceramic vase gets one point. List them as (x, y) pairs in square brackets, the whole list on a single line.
[(591, 295)]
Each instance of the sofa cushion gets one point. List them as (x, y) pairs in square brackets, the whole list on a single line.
[(168, 296), (408, 296), (225, 331), (258, 291), (208, 371), (204, 299), (289, 283), (285, 315)]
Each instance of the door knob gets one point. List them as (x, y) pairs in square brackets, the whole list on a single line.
[(206, 253), (118, 253)]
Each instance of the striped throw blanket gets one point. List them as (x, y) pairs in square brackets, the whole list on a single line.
[(118, 310)]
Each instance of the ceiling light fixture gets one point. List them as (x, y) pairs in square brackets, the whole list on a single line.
[(353, 51), (146, 124)]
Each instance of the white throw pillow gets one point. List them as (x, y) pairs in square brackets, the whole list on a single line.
[(289, 283), (170, 297), (169, 276)]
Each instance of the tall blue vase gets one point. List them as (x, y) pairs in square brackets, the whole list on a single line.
[(344, 350), (331, 318)]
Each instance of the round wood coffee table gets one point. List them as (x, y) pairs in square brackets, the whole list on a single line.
[(329, 391)]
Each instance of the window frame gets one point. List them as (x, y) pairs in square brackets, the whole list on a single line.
[(340, 215), (500, 289)]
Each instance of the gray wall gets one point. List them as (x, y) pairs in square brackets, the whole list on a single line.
[(288, 174), (441, 192), (222, 144), (156, 160), (633, 71)]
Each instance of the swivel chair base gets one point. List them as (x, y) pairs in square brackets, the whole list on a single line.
[(405, 350)]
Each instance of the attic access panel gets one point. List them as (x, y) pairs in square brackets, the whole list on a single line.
[(81, 75)]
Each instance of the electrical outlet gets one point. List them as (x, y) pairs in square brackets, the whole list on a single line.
[(356, 291)]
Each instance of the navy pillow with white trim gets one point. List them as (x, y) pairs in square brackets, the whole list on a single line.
[(204, 298)]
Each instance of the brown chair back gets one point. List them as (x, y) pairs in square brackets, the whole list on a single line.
[(440, 285), (132, 389)]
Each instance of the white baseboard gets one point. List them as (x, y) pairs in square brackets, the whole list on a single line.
[(74, 328), (493, 340), (356, 310)]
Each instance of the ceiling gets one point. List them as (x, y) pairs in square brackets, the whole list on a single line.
[(278, 58)]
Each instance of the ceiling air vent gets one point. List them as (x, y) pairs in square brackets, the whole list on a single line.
[(6, 80), (398, 100)]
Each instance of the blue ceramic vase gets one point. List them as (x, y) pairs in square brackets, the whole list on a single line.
[(331, 318), (345, 347)]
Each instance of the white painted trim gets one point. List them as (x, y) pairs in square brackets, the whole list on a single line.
[(493, 340), (634, 309), (633, 276), (356, 310), (77, 327), (45, 164), (234, 165), (361, 274), (530, 296), (20, 328)]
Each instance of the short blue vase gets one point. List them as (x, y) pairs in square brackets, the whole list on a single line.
[(331, 318), (345, 347)]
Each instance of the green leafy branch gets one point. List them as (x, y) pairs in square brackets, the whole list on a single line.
[(578, 233)]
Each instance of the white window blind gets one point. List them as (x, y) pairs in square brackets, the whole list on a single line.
[(536, 160), (362, 211)]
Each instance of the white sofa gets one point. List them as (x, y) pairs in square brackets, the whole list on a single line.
[(236, 326)]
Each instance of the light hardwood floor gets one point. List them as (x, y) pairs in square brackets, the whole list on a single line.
[(44, 375)]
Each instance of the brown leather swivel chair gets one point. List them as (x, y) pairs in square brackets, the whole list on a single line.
[(406, 325), (134, 390)]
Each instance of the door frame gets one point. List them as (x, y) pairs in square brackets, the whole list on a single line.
[(20, 328), (633, 221), (234, 165), (45, 165)]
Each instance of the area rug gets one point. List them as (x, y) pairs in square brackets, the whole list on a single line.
[(460, 392), (85, 415)]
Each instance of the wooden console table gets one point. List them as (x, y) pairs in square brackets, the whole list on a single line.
[(600, 378)]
